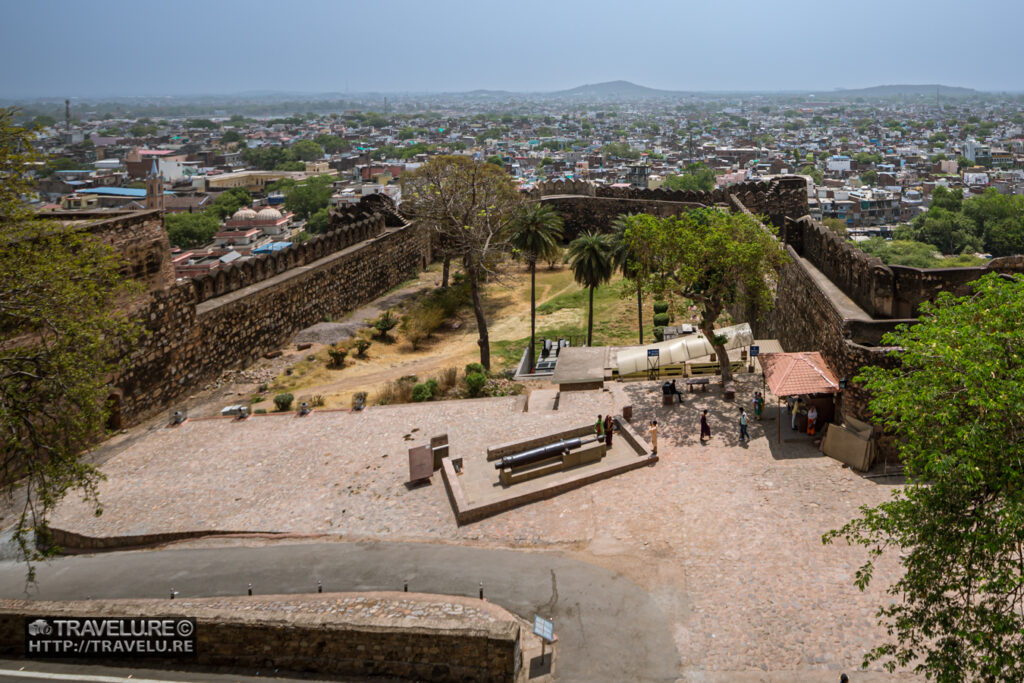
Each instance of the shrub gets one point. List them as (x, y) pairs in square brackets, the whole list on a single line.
[(317, 401), (435, 388), (659, 333), (260, 411), (475, 367), (475, 382), (660, 307), (448, 378), (283, 402), (384, 323), (337, 354), (418, 325), (421, 392), (361, 345), (257, 398), (660, 319)]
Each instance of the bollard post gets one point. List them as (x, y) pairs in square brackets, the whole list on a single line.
[(250, 589), (405, 587), (481, 590), (319, 587)]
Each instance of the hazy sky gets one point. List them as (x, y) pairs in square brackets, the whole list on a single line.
[(130, 47)]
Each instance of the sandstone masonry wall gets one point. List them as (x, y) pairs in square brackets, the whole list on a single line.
[(446, 638), (199, 328)]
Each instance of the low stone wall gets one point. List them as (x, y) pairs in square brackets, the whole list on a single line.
[(407, 635)]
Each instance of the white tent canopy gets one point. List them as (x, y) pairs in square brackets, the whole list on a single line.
[(681, 349)]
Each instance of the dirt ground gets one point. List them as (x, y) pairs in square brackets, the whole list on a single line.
[(307, 373)]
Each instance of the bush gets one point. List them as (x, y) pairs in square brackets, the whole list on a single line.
[(435, 388), (448, 378), (475, 382), (661, 319), (361, 345), (359, 400), (659, 333), (317, 401), (660, 307), (283, 402), (421, 392), (337, 354), (384, 323), (260, 411), (418, 325), (475, 367)]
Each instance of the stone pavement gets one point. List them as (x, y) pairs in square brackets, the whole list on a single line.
[(725, 537)]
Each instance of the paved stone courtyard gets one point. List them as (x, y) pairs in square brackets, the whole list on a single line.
[(726, 537)]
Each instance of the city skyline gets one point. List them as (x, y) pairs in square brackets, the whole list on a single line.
[(447, 46)]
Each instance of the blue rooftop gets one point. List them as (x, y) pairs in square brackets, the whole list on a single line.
[(271, 248), (133, 192)]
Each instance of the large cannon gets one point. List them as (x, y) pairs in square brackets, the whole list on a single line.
[(542, 452)]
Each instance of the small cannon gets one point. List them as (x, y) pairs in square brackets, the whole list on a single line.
[(542, 452)]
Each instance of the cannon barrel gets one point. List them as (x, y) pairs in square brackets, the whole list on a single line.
[(542, 452)]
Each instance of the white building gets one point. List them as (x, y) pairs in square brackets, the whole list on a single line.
[(838, 163)]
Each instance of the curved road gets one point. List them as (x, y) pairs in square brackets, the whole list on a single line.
[(608, 627)]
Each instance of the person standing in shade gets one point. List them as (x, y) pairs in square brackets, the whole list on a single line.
[(609, 427), (599, 428), (705, 428), (744, 436), (812, 420), (653, 430)]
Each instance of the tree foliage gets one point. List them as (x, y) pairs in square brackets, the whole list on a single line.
[(61, 338), (695, 177), (590, 257), (535, 234), (954, 406), (190, 230), (471, 204), (712, 258), (307, 198)]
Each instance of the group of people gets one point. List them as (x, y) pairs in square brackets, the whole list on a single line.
[(605, 428), (796, 407)]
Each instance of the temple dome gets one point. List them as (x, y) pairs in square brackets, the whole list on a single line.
[(243, 214), (268, 214)]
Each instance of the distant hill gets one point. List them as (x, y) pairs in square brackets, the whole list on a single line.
[(904, 91), (613, 89)]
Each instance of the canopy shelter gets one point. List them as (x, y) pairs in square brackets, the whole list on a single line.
[(796, 374)]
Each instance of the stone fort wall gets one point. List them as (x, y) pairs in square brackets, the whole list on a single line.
[(198, 328)]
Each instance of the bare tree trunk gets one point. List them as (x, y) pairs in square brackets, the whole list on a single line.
[(707, 327), (446, 269), (640, 312), (590, 320), (481, 320), (533, 312)]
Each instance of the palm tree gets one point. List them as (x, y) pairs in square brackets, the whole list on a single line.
[(590, 256), (535, 233), (625, 261)]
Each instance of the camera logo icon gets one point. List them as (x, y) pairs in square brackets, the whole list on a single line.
[(40, 627)]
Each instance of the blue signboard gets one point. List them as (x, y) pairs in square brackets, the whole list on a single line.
[(754, 351), (653, 352), (543, 628)]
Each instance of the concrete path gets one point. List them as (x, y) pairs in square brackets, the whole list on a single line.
[(609, 628)]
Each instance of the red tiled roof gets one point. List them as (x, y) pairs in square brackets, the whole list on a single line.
[(791, 374)]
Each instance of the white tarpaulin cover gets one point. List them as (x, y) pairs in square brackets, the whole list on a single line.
[(681, 349)]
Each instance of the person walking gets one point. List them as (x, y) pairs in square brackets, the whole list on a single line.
[(609, 427), (705, 428), (653, 431), (744, 436), (757, 404)]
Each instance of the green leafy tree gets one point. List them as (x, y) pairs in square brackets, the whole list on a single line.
[(63, 335), (231, 136), (319, 222), (944, 198), (590, 257), (695, 177), (332, 144), (869, 177), (953, 403), (836, 225), (189, 230), (307, 150), (814, 172), (952, 233), (535, 234), (712, 258), (999, 219), (305, 199), (228, 202), (471, 204)]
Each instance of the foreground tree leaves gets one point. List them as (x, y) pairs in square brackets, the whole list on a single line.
[(956, 407)]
